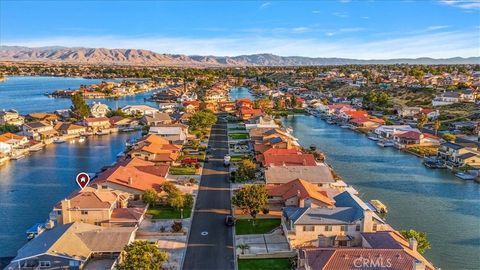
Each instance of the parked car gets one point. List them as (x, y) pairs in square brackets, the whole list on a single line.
[(229, 220), (206, 160)]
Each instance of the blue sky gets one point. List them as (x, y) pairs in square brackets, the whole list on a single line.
[(353, 29)]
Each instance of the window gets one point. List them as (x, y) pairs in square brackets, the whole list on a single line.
[(59, 212), (73, 263), (374, 227), (357, 228), (104, 187), (328, 228), (44, 263), (343, 228), (84, 212), (308, 228)]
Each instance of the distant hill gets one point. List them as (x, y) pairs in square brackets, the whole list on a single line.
[(137, 57)]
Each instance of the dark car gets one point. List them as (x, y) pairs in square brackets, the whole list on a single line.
[(206, 160), (229, 220)]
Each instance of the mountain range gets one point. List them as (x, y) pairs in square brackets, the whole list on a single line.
[(138, 57)]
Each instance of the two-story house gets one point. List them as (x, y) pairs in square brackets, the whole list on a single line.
[(456, 155), (38, 130), (11, 117), (95, 124)]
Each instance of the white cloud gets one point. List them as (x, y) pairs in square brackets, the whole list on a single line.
[(437, 45), (465, 4), (315, 11), (353, 29), (437, 27), (300, 29), (340, 14), (265, 5)]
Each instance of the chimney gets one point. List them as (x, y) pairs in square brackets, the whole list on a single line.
[(299, 202), (66, 214), (412, 244), (367, 222), (130, 180)]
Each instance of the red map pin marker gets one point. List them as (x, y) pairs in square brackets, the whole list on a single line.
[(83, 179)]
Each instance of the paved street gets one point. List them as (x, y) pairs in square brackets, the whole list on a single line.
[(210, 245)]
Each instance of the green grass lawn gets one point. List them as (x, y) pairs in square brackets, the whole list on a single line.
[(264, 264), (263, 225), (167, 212), (182, 170), (237, 158), (238, 136)]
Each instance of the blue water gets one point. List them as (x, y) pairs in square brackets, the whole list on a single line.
[(240, 92), (434, 201), (30, 187), (27, 94)]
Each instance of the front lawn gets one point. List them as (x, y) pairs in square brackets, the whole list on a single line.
[(237, 158), (238, 136), (182, 170), (263, 225), (264, 264), (167, 212)]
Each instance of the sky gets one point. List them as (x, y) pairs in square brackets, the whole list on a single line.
[(368, 29)]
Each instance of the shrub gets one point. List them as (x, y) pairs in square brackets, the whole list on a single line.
[(177, 226)]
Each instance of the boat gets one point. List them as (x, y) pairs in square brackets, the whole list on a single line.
[(331, 122), (58, 140), (102, 132), (465, 176), (82, 139), (345, 126), (17, 157), (385, 143), (373, 138), (35, 230), (35, 148), (121, 154), (313, 147), (379, 206)]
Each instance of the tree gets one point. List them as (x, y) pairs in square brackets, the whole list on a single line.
[(79, 107), (9, 128), (422, 242), (436, 126), (449, 137), (142, 255), (176, 200), (422, 120), (150, 196), (117, 112), (293, 101), (202, 119), (169, 187), (251, 199), (246, 170)]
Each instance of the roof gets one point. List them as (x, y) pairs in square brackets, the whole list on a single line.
[(130, 177), (158, 116), (251, 111), (10, 136), (319, 174), (320, 215), (357, 114), (37, 124), (96, 119), (127, 214), (67, 126), (76, 241), (92, 198), (452, 145), (301, 188), (146, 166), (414, 135), (289, 160), (347, 199), (467, 155)]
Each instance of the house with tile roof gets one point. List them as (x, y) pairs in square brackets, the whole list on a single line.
[(320, 175), (297, 193), (69, 128), (175, 133), (271, 158), (73, 246), (102, 207), (38, 130), (97, 123), (14, 140), (457, 155), (338, 226), (248, 113), (158, 118), (379, 250), (156, 149), (11, 117)]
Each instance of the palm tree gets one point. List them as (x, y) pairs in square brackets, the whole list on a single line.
[(243, 247)]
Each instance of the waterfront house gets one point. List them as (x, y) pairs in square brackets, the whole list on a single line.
[(367, 122), (73, 246), (415, 138), (14, 140), (244, 103), (139, 110), (95, 124), (175, 133), (261, 121), (11, 117), (338, 226), (191, 106), (156, 119), (38, 130), (167, 106), (65, 128), (156, 149), (346, 116), (124, 123), (388, 131), (5, 148), (456, 155), (320, 175), (248, 113), (297, 193), (292, 157), (378, 250), (227, 106), (102, 207), (99, 109), (45, 117)]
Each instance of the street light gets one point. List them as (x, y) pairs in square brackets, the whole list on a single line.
[(181, 213)]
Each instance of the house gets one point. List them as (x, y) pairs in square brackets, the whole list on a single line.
[(96, 123), (261, 121), (273, 157), (159, 118), (244, 103), (338, 226), (5, 148), (156, 149), (408, 111), (124, 123), (352, 114), (38, 130), (456, 155), (45, 117), (447, 98), (128, 179), (367, 122), (167, 106), (319, 175), (101, 207), (139, 110), (389, 131), (11, 117), (417, 138), (73, 246), (14, 140), (297, 193), (99, 110), (379, 250), (247, 113), (191, 106), (267, 138), (175, 133), (227, 106), (69, 128)]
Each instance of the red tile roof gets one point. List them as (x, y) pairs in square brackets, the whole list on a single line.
[(357, 114), (299, 187), (251, 111), (131, 177), (410, 135), (289, 160)]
